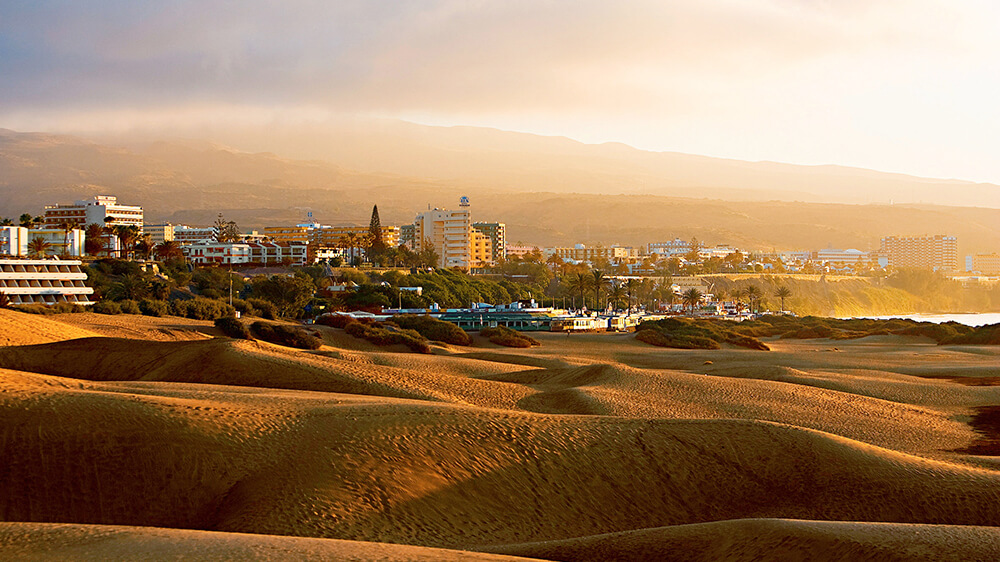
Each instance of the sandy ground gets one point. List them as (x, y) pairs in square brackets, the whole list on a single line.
[(588, 447)]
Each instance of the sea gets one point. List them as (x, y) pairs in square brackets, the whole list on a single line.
[(977, 319)]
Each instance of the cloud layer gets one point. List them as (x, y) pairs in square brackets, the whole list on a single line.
[(907, 85)]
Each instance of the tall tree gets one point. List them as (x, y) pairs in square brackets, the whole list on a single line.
[(25, 220), (93, 241), (783, 293), (67, 228), (168, 250), (376, 243), (226, 232), (127, 235)]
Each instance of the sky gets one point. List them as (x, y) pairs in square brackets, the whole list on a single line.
[(908, 86)]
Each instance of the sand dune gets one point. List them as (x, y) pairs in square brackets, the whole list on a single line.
[(544, 452), (46, 541), (389, 470), (19, 328), (777, 539)]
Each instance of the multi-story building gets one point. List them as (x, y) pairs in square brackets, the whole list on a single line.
[(209, 252), (44, 281), (986, 264), (675, 247), (839, 257), (185, 235), (938, 252), (582, 253), (288, 234), (159, 233), (480, 250), (407, 235), (448, 232), (498, 237), (330, 236), (520, 251), (102, 209), (14, 241)]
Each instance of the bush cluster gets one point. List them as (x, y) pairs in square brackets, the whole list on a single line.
[(502, 335), (256, 307), (45, 310), (433, 329), (232, 327), (686, 333), (386, 333), (154, 308), (335, 320), (289, 336), (201, 309)]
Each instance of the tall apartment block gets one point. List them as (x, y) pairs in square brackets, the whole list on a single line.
[(448, 232), (497, 235), (926, 252)]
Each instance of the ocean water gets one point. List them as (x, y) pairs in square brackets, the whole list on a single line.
[(978, 319)]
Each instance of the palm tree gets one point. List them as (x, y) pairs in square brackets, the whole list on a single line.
[(753, 294), (127, 235), (93, 242), (616, 297), (25, 220), (783, 293), (4, 300), (131, 286), (67, 228), (579, 282), (629, 285), (168, 250), (144, 246), (599, 282), (37, 247), (6, 222), (692, 298)]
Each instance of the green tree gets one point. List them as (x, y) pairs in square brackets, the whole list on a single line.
[(131, 286), (616, 296), (168, 251), (376, 243), (288, 294), (599, 283), (127, 235), (93, 241), (226, 232), (25, 220), (783, 293), (37, 247), (692, 298)]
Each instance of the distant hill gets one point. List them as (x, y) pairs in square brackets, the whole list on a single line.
[(192, 181), (495, 159)]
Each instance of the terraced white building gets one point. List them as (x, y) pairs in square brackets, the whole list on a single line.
[(44, 281)]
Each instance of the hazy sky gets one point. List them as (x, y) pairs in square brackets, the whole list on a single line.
[(908, 85)]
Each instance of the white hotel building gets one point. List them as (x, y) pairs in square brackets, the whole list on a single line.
[(448, 232), (44, 281), (101, 209)]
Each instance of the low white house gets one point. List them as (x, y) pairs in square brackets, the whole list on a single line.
[(48, 281)]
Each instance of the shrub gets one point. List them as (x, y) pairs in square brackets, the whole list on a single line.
[(67, 307), (684, 333), (35, 309), (129, 307), (154, 308), (502, 335), (263, 308), (232, 327), (434, 329), (106, 307), (285, 335), (335, 320), (201, 309), (388, 335), (983, 335)]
